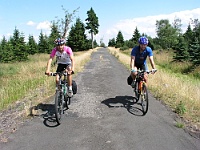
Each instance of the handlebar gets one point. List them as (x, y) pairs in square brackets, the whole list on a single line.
[(59, 73), (148, 72)]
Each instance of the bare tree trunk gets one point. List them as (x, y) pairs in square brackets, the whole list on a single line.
[(67, 21), (92, 40), (66, 28)]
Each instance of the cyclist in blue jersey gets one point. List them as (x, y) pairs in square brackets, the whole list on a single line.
[(139, 55)]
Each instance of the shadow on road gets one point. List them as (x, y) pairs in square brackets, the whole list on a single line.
[(47, 111), (128, 102)]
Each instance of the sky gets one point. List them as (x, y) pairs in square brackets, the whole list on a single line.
[(31, 17)]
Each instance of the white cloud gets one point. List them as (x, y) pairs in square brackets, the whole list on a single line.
[(44, 25), (30, 23), (147, 24)]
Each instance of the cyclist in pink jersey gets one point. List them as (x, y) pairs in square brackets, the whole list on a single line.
[(65, 60)]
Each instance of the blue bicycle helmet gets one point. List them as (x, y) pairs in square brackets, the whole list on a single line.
[(143, 40), (59, 41)]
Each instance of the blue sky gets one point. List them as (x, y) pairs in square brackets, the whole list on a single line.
[(32, 16)]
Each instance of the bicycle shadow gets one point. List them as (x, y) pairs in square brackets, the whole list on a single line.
[(128, 102), (47, 111)]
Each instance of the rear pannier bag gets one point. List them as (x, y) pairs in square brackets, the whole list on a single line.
[(129, 80)]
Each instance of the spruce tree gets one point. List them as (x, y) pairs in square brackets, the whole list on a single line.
[(195, 52), (53, 35), (77, 38), (18, 46), (136, 36), (32, 45), (6, 53), (188, 35), (181, 53), (43, 46), (92, 24), (119, 40)]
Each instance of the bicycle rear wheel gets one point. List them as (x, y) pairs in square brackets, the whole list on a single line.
[(144, 99), (58, 106)]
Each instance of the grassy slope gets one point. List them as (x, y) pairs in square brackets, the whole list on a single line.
[(26, 80)]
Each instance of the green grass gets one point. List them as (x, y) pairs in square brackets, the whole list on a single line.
[(180, 125), (8, 70), (16, 89)]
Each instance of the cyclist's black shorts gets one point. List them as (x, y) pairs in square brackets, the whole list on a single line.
[(62, 67), (141, 66)]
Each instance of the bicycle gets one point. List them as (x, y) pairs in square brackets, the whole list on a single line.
[(140, 90), (62, 100)]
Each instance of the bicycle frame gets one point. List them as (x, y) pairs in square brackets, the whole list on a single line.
[(61, 98), (139, 83), (140, 90)]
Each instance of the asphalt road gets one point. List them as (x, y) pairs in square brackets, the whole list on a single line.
[(101, 117)]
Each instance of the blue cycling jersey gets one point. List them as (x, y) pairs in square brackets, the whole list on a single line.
[(140, 57)]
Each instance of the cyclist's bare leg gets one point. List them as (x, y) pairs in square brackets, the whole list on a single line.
[(69, 77), (133, 74), (57, 80), (145, 77)]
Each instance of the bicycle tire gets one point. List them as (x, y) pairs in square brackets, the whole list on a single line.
[(58, 106), (136, 90), (67, 102), (144, 99)]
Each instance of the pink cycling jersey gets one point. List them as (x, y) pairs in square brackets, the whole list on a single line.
[(64, 57)]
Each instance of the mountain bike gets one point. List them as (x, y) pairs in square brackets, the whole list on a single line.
[(62, 100), (140, 90)]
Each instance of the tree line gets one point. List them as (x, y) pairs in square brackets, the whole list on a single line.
[(186, 45), (16, 49)]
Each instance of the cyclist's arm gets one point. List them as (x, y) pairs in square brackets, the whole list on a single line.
[(72, 61), (152, 62), (132, 63), (49, 65)]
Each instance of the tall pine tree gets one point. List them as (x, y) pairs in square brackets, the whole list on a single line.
[(92, 24)]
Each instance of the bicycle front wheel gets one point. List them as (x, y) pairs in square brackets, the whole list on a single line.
[(137, 91), (67, 102), (58, 106), (144, 99)]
